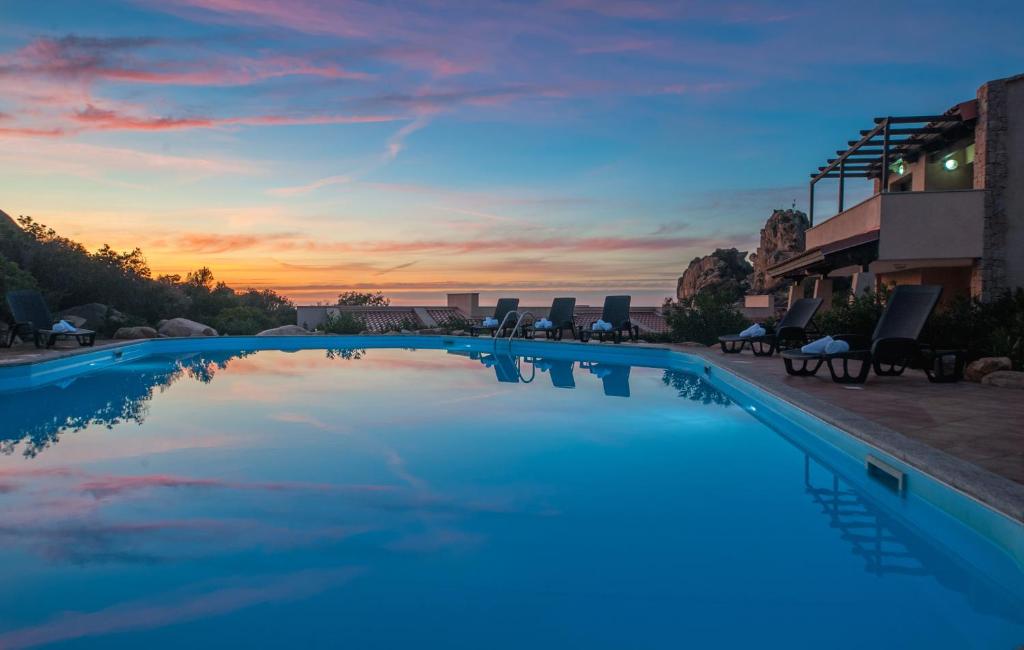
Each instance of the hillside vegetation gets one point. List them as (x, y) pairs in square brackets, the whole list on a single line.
[(34, 256)]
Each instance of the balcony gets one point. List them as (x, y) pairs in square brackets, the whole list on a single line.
[(942, 225), (942, 228)]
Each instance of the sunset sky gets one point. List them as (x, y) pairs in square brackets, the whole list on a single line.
[(575, 147)]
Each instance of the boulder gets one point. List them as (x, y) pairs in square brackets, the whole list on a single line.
[(136, 333), (183, 327), (160, 323), (1004, 379), (976, 370), (93, 316), (781, 238), (725, 270), (285, 330)]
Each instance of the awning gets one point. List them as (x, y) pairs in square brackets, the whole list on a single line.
[(858, 250)]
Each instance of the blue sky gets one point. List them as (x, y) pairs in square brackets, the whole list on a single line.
[(574, 147)]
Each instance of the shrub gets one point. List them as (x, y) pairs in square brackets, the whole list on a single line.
[(704, 317), (995, 328), (241, 320), (343, 323), (853, 314)]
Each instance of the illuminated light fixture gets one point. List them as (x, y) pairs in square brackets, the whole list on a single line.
[(951, 164), (898, 167)]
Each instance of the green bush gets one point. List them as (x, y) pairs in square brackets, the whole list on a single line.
[(343, 323), (995, 328), (704, 317), (241, 320), (853, 314)]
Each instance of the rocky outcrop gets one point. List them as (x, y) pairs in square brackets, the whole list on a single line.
[(93, 316), (286, 330), (724, 270), (183, 327), (781, 238), (1004, 379), (976, 370), (136, 333)]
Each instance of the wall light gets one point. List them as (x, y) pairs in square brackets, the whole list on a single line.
[(951, 164)]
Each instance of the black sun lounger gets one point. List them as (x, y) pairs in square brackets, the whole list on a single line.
[(791, 331), (504, 307), (892, 348), (32, 316), (616, 312), (561, 317)]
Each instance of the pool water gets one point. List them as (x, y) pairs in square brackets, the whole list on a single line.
[(395, 498)]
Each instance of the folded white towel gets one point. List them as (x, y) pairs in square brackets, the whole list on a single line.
[(64, 327), (817, 347), (837, 347), (543, 324), (490, 322), (753, 330), (601, 326)]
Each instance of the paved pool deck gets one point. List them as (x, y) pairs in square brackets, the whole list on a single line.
[(969, 435)]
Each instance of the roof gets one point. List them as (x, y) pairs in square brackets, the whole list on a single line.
[(858, 249), (385, 319)]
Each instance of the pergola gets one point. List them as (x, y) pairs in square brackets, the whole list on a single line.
[(889, 140)]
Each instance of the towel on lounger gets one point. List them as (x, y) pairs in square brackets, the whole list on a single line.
[(752, 331), (837, 347), (817, 347), (64, 327), (490, 322), (542, 324), (601, 326)]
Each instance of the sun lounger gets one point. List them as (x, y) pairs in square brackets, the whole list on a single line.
[(504, 307), (32, 317), (791, 331), (893, 346), (616, 313), (561, 319)]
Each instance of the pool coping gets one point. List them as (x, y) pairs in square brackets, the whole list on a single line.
[(989, 489)]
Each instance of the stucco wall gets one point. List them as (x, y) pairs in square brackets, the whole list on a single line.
[(932, 225)]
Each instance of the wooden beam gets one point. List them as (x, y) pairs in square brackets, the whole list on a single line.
[(911, 119), (923, 130)]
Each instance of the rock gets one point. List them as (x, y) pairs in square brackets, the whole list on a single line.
[(185, 327), (976, 370), (1004, 379), (136, 333), (93, 316), (285, 330), (160, 323), (458, 332), (724, 270), (781, 238)]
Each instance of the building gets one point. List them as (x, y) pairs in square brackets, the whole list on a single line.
[(460, 307), (947, 207)]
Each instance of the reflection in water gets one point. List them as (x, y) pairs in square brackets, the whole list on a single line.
[(345, 354), (694, 388), (373, 473), (38, 417)]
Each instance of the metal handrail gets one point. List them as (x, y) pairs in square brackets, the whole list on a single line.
[(516, 328), (501, 326)]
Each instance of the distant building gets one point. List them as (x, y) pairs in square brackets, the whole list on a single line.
[(459, 307), (947, 208)]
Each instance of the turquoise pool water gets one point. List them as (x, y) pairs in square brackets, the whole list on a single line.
[(454, 498)]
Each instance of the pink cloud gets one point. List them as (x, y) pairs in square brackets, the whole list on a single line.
[(108, 486), (171, 609)]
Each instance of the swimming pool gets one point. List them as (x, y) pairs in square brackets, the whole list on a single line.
[(419, 491)]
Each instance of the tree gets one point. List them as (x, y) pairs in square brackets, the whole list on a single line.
[(368, 299)]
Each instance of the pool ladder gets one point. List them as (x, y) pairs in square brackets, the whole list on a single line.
[(515, 328)]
